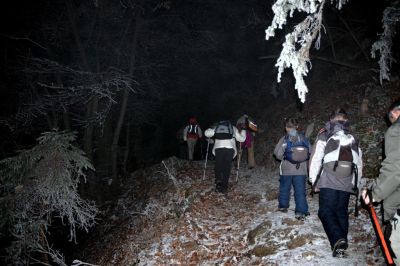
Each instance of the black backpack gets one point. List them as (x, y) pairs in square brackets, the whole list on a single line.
[(224, 130)]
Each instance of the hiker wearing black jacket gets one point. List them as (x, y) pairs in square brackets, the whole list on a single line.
[(335, 178)]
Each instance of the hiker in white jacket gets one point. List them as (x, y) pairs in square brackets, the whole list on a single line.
[(224, 151)]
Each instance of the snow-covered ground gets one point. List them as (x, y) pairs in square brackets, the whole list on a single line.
[(245, 228)]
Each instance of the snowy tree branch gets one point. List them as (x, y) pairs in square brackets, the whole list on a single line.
[(391, 16), (295, 53)]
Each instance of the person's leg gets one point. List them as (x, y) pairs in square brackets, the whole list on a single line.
[(219, 168), (299, 185), (227, 165), (395, 238), (250, 157), (285, 184), (328, 199), (342, 206), (191, 144)]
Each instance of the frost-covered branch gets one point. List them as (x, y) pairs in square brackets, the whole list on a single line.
[(60, 88), (46, 180), (391, 17), (296, 48)]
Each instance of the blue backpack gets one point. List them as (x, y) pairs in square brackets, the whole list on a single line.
[(297, 152)]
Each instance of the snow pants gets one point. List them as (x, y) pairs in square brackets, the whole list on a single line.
[(299, 185), (223, 165), (333, 213)]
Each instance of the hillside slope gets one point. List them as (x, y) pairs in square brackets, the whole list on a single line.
[(196, 226)]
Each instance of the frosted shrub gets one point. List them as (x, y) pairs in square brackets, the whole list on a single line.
[(391, 16), (40, 186), (296, 48)]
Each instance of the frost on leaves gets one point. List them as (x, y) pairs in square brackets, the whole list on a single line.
[(47, 178), (296, 48), (391, 17)]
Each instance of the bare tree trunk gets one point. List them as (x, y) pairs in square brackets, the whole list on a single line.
[(117, 132), (92, 106), (126, 153)]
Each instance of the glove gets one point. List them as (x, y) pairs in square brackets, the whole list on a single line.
[(366, 197)]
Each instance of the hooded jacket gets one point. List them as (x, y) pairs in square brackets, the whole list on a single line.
[(318, 154), (387, 185)]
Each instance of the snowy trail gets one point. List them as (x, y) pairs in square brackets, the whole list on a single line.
[(245, 228)]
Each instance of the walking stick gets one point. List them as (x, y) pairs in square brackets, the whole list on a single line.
[(238, 163), (205, 164), (381, 238)]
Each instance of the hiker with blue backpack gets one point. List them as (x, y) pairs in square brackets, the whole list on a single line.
[(335, 172), (225, 136), (293, 151)]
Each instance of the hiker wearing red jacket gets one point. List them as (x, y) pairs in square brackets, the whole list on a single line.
[(191, 133)]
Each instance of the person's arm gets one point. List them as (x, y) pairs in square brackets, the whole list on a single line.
[(280, 148), (209, 133), (185, 130), (389, 174), (317, 154), (239, 136), (359, 166), (200, 132)]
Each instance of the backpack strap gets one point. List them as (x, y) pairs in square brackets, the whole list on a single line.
[(355, 188)]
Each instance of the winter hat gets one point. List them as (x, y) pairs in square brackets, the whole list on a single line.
[(395, 105), (192, 120), (291, 122), (339, 112)]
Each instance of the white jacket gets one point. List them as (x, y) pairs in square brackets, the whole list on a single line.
[(227, 143), (318, 154)]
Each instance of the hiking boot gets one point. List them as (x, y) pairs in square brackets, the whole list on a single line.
[(283, 210), (300, 216), (339, 248)]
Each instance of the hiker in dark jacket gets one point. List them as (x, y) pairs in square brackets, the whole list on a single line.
[(293, 151), (337, 177), (386, 187)]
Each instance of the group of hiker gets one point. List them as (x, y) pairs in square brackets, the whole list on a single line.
[(221, 144), (332, 166)]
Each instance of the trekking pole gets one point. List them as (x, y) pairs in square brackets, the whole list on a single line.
[(381, 238), (205, 164), (238, 163)]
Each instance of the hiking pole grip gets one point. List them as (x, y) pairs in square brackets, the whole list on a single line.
[(381, 238)]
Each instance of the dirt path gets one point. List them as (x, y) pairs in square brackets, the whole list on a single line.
[(245, 228)]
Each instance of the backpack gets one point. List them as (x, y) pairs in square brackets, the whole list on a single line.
[(341, 155), (224, 130), (193, 130), (297, 152), (251, 125)]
